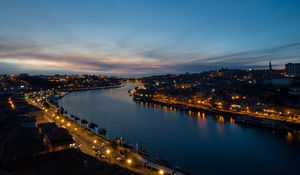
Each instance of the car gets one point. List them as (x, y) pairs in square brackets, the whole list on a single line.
[(119, 158), (103, 156)]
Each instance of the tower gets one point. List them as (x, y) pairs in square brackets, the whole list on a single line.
[(270, 66)]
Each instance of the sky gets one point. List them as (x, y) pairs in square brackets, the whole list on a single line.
[(146, 37)]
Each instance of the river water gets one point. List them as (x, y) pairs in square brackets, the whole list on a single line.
[(200, 143)]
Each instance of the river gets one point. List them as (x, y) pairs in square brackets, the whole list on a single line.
[(200, 143)]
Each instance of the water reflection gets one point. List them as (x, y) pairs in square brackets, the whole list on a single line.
[(289, 137), (220, 119), (231, 120), (189, 139)]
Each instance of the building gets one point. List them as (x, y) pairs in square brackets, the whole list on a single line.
[(55, 138), (278, 81), (293, 69)]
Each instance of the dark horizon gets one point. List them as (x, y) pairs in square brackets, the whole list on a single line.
[(274, 67)]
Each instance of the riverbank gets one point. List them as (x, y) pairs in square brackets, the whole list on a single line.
[(94, 88), (137, 154), (192, 140), (242, 118)]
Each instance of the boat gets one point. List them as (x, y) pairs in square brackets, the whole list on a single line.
[(162, 162), (142, 152), (127, 145), (178, 169), (93, 125), (102, 131), (83, 121)]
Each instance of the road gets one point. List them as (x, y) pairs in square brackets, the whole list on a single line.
[(94, 145)]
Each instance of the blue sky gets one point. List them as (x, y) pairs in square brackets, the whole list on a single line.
[(142, 37)]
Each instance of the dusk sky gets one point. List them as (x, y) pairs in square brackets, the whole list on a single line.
[(143, 37)]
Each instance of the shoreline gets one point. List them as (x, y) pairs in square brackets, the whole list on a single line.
[(239, 118), (144, 161)]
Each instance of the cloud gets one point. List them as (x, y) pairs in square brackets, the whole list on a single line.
[(51, 58)]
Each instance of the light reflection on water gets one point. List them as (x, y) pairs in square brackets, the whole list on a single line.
[(197, 141)]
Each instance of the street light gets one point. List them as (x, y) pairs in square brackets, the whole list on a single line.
[(129, 161), (161, 172), (68, 124), (75, 129), (108, 151), (62, 120), (95, 141)]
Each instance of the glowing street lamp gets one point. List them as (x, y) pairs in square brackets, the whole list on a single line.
[(161, 172), (129, 161), (108, 151), (95, 141)]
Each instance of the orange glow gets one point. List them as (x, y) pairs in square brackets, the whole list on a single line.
[(11, 103), (221, 119), (289, 137), (161, 172), (129, 161), (219, 103)]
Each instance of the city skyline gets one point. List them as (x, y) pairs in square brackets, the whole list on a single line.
[(146, 37)]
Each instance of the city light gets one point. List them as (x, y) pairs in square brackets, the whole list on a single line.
[(11, 103), (129, 161), (108, 151), (243, 104)]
